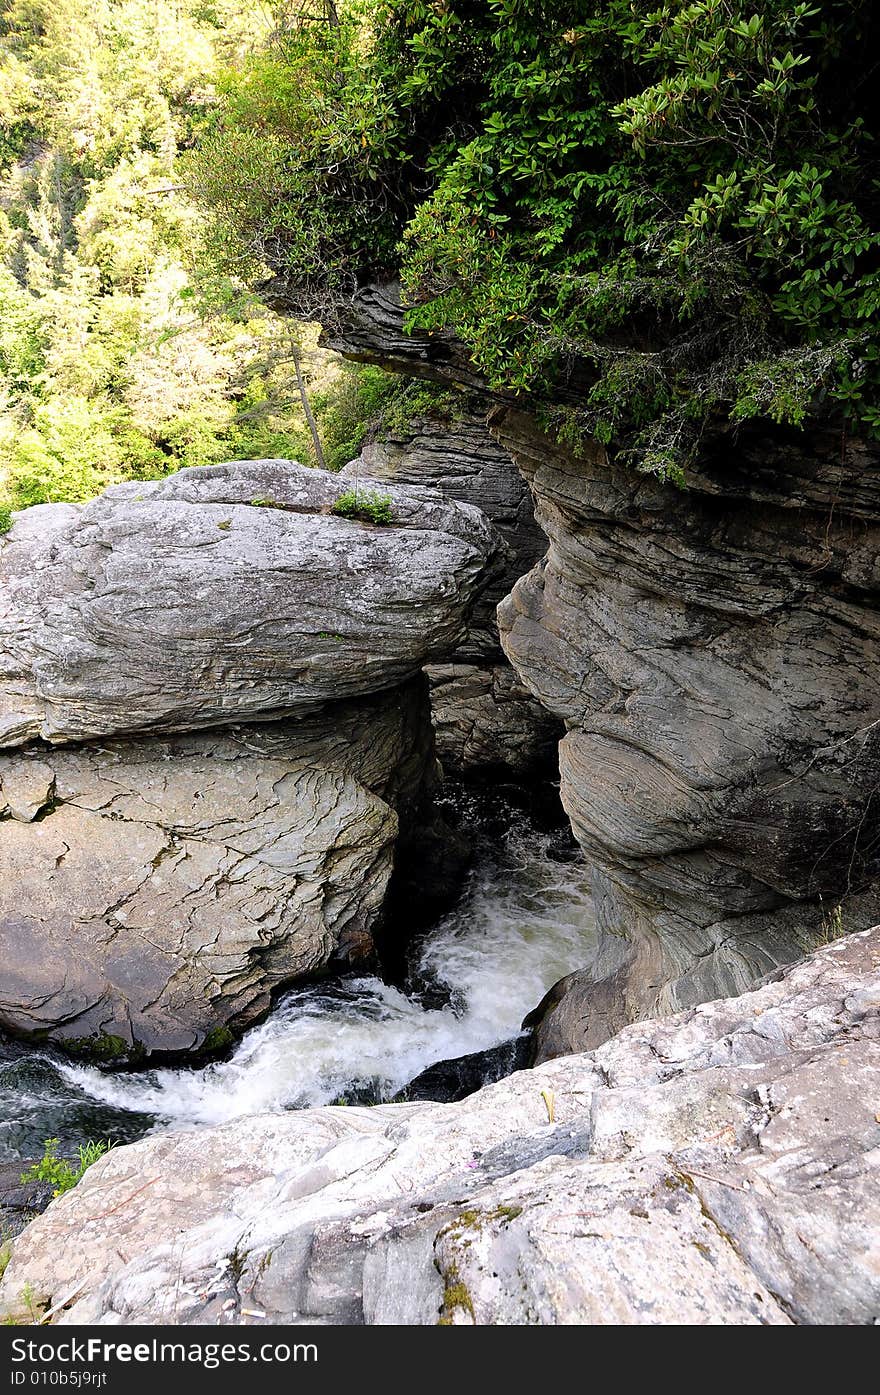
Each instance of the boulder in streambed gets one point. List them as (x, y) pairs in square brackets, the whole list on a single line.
[(155, 891)]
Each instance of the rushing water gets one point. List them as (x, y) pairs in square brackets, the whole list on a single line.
[(524, 920)]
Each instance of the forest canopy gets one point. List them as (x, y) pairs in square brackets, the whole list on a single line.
[(649, 219), (122, 354)]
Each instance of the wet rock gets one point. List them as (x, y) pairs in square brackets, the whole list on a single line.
[(455, 1079), (20, 1202), (222, 594), (716, 1167), (155, 892)]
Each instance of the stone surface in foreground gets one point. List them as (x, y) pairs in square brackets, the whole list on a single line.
[(717, 1167)]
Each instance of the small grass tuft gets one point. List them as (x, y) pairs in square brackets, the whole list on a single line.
[(365, 505)]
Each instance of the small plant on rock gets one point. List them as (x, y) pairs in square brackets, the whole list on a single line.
[(832, 926), (367, 505), (61, 1174)]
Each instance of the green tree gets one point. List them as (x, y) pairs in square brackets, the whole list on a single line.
[(124, 352), (649, 219)]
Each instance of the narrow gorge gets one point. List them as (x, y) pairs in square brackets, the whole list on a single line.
[(220, 779), (440, 864)]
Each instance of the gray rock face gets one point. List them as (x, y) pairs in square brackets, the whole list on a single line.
[(485, 720), (226, 594), (714, 655), (455, 455), (25, 557), (718, 1167), (482, 716), (154, 892)]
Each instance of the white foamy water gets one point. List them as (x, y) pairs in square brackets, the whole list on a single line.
[(525, 920)]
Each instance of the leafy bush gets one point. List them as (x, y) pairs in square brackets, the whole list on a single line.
[(61, 1174), (123, 354), (367, 505), (5, 519), (350, 410), (650, 217), (364, 403)]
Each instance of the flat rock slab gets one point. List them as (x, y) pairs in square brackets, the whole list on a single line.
[(225, 594), (154, 892), (717, 1167)]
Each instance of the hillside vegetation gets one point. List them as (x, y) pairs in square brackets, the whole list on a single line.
[(649, 219), (121, 354)]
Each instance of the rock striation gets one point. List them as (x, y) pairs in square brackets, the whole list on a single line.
[(452, 453), (228, 593), (717, 1167), (712, 655), (715, 657), (483, 719), (486, 721)]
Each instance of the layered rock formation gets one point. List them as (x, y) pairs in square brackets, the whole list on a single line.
[(227, 593), (713, 655), (453, 453), (484, 720), (719, 1167), (154, 891)]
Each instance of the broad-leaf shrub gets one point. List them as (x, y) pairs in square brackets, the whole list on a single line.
[(648, 218)]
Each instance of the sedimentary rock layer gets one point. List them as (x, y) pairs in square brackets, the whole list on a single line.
[(485, 721), (715, 656), (719, 1167), (454, 454), (224, 594), (482, 716)]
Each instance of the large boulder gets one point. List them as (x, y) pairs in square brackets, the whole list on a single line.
[(226, 594), (714, 654), (154, 892), (719, 1167)]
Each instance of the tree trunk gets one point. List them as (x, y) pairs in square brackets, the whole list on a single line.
[(307, 406)]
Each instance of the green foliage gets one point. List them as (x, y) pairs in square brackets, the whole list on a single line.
[(351, 409), (367, 505), (410, 400), (661, 216), (59, 1173), (124, 352), (363, 404), (5, 519)]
